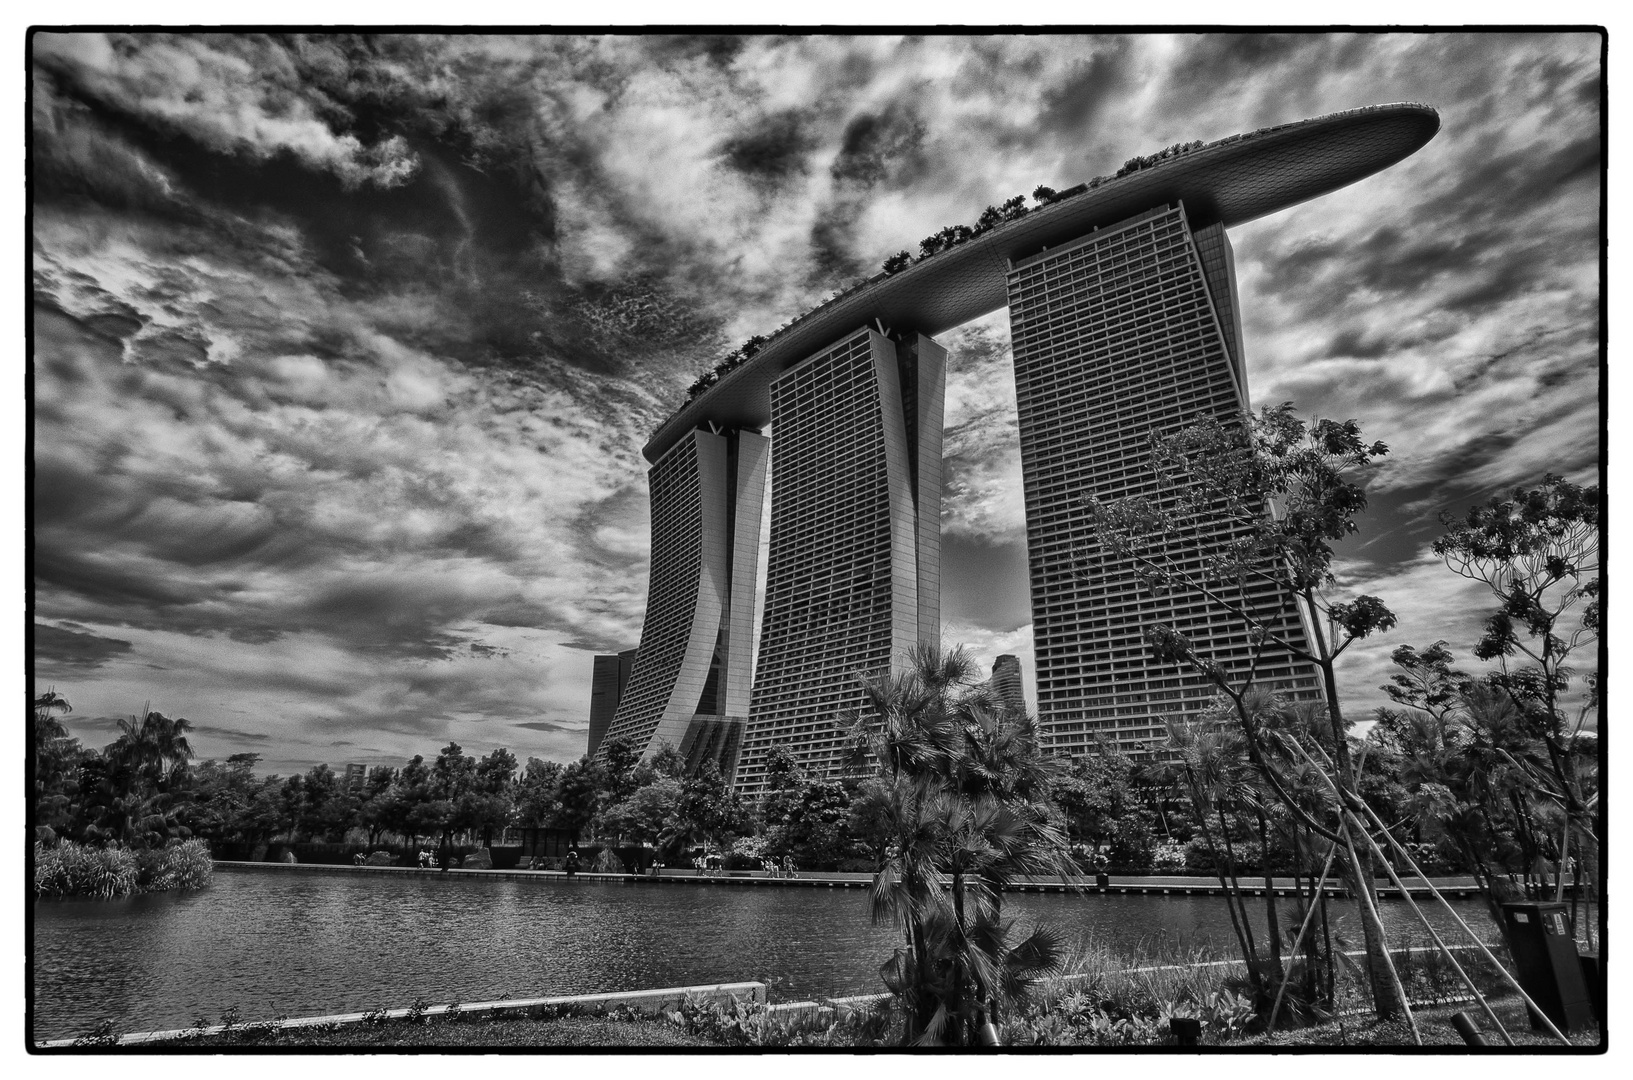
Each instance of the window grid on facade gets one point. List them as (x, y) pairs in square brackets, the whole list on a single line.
[(677, 563), (1125, 333), (841, 594)]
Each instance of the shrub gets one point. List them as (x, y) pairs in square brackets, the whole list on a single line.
[(748, 1023), (71, 869), (184, 865), (1198, 856), (1168, 857)]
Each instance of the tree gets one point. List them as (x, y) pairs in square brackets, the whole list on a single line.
[(617, 773), (329, 807), (665, 761), (958, 788), (808, 822), (376, 811), (453, 778), (490, 803), (1538, 552), (1274, 493), (1098, 797), (651, 815), (407, 810), (140, 783), (577, 796), (292, 803), (1425, 683), (56, 759), (709, 807), (1475, 768), (222, 796), (536, 804)]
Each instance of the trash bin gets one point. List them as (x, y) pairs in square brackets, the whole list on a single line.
[(1593, 971), (1548, 965)]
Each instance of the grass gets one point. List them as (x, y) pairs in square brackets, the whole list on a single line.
[(707, 1028), (1435, 1025), (564, 1032)]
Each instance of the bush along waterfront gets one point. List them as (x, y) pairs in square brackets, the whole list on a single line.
[(70, 869), (109, 824)]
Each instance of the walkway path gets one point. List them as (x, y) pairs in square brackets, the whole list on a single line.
[(1117, 884)]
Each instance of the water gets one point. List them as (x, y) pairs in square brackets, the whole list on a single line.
[(311, 943)]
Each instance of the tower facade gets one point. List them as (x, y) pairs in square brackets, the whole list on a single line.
[(853, 574), (690, 682), (610, 676), (1130, 331)]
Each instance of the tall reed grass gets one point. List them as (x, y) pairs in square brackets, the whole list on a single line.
[(71, 869)]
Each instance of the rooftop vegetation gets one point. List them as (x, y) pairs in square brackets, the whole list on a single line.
[(991, 218)]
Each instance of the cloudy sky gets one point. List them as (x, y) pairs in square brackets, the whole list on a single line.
[(345, 348)]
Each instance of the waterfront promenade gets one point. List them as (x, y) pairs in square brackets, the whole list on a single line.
[(1117, 884)]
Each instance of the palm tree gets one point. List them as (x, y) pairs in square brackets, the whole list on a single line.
[(146, 771), (958, 789), (1214, 767), (55, 754)]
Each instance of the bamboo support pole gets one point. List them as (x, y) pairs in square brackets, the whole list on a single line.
[(1406, 857), (1424, 919), (1390, 870), (1564, 857), (1507, 977), (1275, 1010), (1372, 910)]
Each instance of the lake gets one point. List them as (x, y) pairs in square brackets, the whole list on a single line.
[(302, 944)]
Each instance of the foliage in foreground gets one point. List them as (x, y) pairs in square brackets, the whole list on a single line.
[(71, 869), (961, 789)]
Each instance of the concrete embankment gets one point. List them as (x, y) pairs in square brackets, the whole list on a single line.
[(1117, 885), (648, 1001)]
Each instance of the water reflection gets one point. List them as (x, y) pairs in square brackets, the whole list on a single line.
[(304, 944)]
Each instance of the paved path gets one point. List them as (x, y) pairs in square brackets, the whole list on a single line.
[(1117, 884)]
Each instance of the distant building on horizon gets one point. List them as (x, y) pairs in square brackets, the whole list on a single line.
[(1006, 682), (607, 684), (356, 775)]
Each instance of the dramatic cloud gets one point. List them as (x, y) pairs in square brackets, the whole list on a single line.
[(345, 346)]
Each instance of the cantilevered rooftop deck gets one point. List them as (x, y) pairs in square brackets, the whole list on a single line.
[(1231, 181)]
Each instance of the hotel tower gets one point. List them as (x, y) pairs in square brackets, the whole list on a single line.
[(1125, 323)]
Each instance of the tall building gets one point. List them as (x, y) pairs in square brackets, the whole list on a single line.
[(690, 683), (1124, 333), (1006, 682), (853, 574), (607, 684), (1125, 321)]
